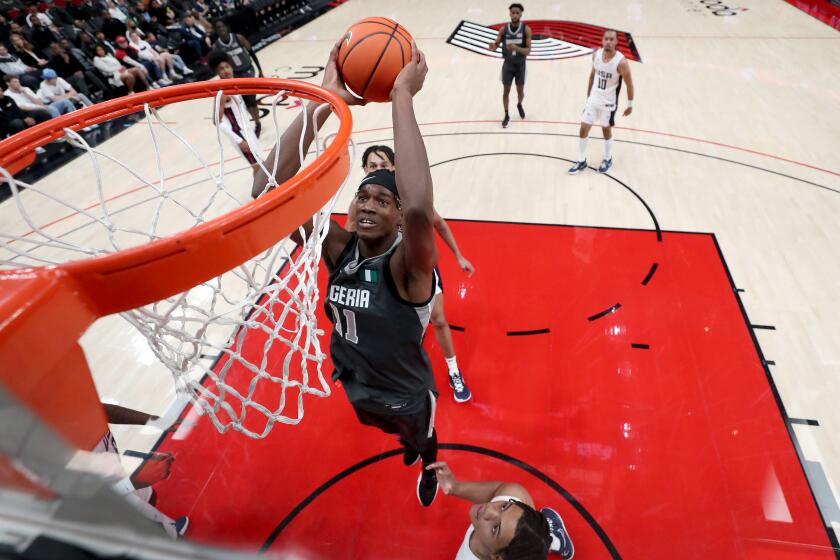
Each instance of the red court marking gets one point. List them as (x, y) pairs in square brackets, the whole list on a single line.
[(678, 451)]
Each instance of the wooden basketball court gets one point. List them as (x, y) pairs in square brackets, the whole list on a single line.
[(675, 394)]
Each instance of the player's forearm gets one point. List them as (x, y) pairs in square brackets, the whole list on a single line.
[(120, 415), (631, 91), (289, 160), (589, 85), (446, 234), (476, 492), (414, 180)]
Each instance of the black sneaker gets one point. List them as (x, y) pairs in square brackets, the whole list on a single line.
[(605, 166), (561, 543), (521, 110), (459, 388), (506, 121), (577, 168), (409, 455), (427, 487)]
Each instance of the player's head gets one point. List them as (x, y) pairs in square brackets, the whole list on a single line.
[(221, 29), (510, 530), (378, 157), (376, 209), (220, 64), (516, 10), (609, 39)]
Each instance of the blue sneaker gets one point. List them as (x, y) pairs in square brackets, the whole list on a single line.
[(605, 166), (561, 543), (181, 525), (577, 168), (459, 388)]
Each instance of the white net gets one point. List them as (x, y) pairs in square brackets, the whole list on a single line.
[(244, 346)]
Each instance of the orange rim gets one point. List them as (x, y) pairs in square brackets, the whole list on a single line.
[(44, 310)]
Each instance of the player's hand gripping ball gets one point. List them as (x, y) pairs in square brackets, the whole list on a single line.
[(371, 54)]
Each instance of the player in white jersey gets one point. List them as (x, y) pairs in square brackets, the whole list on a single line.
[(609, 70), (232, 117), (503, 522)]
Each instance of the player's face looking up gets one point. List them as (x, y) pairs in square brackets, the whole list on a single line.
[(609, 40), (377, 212), (515, 15), (495, 524), (224, 70), (378, 160)]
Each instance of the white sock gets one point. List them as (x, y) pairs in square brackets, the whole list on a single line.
[(582, 149), (555, 544), (453, 365), (608, 148)]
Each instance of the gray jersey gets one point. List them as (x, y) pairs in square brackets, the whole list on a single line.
[(242, 65), (512, 37), (376, 343)]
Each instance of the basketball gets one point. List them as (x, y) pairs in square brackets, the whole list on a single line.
[(372, 53)]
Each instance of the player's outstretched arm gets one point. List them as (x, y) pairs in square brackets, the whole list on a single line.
[(624, 70), (478, 492), (289, 163), (414, 181)]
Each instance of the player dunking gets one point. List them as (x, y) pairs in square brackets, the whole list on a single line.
[(232, 117), (241, 53), (515, 38), (609, 69), (382, 157), (382, 282)]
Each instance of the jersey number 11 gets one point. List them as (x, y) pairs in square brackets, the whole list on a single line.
[(350, 318)]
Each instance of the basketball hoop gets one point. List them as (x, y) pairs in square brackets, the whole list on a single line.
[(196, 295)]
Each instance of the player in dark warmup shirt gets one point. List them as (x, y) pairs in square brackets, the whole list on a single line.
[(382, 282), (515, 39)]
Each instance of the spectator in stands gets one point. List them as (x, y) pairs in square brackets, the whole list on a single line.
[(11, 65), (180, 67), (33, 15), (129, 56), (92, 76), (55, 90), (163, 60), (111, 27), (68, 67), (117, 11), (41, 35), (195, 32), (4, 30), (57, 103), (24, 50), (28, 102), (118, 75), (13, 120)]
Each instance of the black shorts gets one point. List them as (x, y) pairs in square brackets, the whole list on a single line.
[(250, 100), (513, 70), (416, 431)]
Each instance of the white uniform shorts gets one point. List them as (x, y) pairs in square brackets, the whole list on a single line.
[(598, 116)]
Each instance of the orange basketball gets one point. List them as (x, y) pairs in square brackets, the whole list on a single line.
[(373, 52)]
